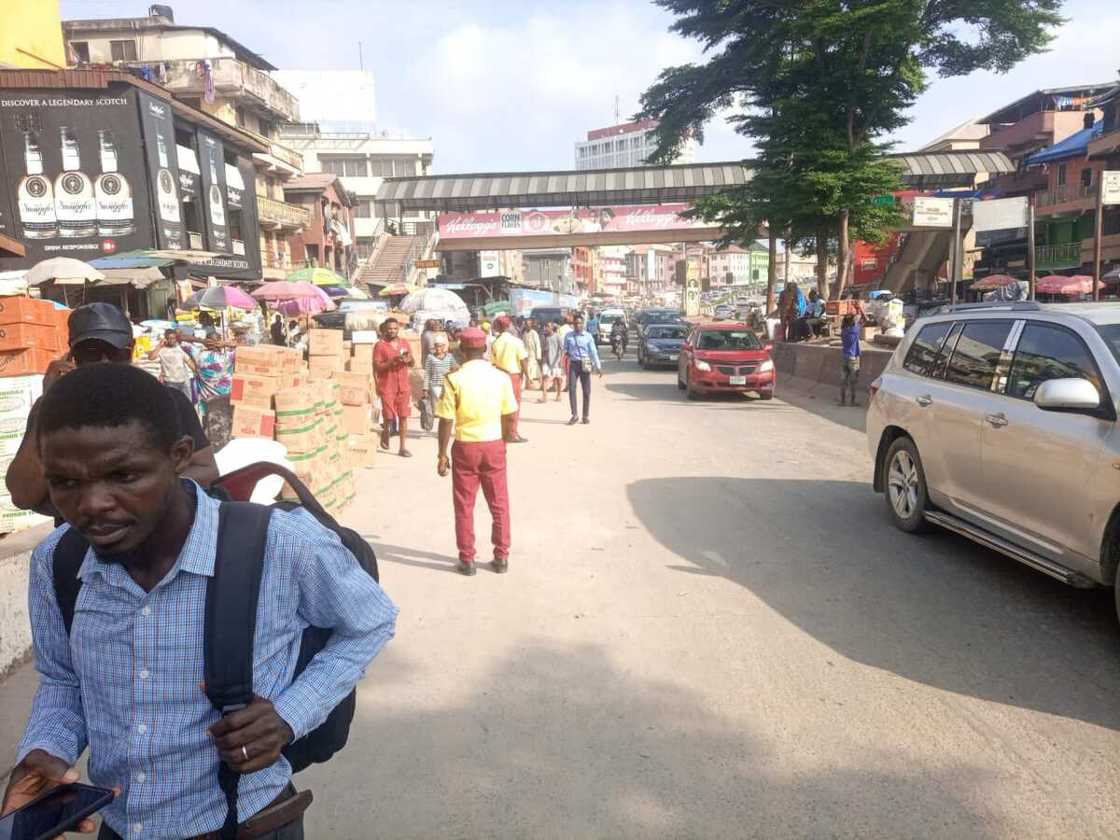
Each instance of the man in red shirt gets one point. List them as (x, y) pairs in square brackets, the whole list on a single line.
[(392, 359)]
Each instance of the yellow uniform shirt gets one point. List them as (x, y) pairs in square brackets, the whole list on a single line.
[(507, 353), (475, 397)]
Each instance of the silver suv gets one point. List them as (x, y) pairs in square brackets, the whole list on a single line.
[(998, 422)]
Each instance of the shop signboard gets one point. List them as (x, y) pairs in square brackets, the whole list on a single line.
[(72, 173), (212, 166), (163, 169), (563, 221), (932, 212), (999, 214), (1110, 187)]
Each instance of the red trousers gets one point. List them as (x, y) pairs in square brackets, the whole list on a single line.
[(473, 464), (515, 378)]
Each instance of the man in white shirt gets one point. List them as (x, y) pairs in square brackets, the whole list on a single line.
[(176, 367)]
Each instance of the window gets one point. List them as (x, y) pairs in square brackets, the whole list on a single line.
[(1049, 352), (728, 340), (363, 209), (354, 167), (1061, 174), (923, 353), (1086, 177), (976, 356), (81, 51), (122, 50)]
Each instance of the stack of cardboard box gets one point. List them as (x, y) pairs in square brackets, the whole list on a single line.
[(326, 353), (17, 395), (32, 335), (260, 372)]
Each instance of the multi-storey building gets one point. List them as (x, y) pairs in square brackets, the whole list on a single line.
[(211, 71), (629, 144)]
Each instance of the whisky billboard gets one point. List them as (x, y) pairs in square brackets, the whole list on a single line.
[(72, 171)]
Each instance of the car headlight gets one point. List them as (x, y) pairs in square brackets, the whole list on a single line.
[(702, 365), (766, 366)]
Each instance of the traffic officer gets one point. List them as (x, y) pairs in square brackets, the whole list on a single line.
[(478, 400), (509, 354)]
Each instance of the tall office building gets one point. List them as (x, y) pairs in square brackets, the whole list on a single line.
[(628, 144)]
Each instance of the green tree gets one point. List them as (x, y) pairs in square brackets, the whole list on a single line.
[(817, 85)]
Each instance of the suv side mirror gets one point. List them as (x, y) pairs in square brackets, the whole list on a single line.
[(1067, 394)]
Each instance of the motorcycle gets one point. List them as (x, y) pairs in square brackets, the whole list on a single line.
[(618, 345)]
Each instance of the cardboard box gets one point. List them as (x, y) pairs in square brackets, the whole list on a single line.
[(252, 421), (18, 393), (254, 389), (301, 439), (353, 388), (325, 342), (868, 333), (24, 310), (324, 367), (23, 362), (361, 450), (21, 336), (358, 337), (356, 419), (295, 405)]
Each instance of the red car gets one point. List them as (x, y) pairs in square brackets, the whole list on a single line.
[(725, 358)]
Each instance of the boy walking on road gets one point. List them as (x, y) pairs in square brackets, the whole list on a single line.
[(849, 339), (478, 400), (392, 359)]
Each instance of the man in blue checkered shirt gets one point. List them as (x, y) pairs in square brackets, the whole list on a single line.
[(127, 679)]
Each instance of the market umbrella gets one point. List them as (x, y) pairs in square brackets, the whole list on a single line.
[(395, 289), (220, 297), (293, 298), (440, 304), (319, 276), (64, 271), (993, 281), (1057, 284)]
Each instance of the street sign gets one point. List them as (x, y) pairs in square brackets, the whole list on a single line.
[(1110, 187), (436, 263), (999, 214), (932, 212), (883, 201)]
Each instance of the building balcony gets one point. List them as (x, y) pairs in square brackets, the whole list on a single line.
[(1066, 255), (280, 160), (279, 215), (233, 79), (1068, 198)]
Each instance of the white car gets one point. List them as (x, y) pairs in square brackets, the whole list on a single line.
[(606, 321)]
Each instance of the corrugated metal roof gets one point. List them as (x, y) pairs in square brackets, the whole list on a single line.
[(641, 185)]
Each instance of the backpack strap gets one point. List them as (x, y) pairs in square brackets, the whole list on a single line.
[(231, 619), (69, 554)]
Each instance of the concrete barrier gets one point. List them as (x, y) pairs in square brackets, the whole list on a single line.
[(15, 564), (821, 363)]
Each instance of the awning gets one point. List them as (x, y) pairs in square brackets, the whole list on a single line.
[(138, 278), (233, 178), (130, 259)]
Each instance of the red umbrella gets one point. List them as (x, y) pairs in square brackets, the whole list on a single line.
[(1057, 284), (993, 281)]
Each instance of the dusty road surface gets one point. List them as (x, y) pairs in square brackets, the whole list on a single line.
[(710, 630)]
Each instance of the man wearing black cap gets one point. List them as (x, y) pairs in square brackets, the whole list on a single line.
[(99, 332)]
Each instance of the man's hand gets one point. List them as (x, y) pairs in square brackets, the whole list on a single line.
[(56, 370), (252, 738), (35, 775), (443, 465), (600, 372)]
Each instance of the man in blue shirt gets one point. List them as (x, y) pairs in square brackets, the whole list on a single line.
[(583, 357), (126, 679)]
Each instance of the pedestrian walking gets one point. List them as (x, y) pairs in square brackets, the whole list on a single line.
[(532, 341), (552, 361), (509, 355), (478, 402), (850, 353), (439, 363), (432, 328), (563, 328), (123, 674), (392, 360), (583, 357), (176, 367), (276, 331)]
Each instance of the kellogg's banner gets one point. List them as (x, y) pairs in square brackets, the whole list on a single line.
[(565, 221)]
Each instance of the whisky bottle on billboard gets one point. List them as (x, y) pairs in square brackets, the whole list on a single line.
[(167, 192), (217, 210), (112, 192), (74, 204), (34, 194)]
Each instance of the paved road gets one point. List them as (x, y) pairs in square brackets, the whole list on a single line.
[(710, 630)]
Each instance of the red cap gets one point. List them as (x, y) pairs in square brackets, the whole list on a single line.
[(502, 322), (472, 337)]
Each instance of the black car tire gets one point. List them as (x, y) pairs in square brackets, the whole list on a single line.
[(904, 487), (689, 392), (766, 395)]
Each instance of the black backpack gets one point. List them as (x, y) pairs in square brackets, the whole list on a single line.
[(231, 611)]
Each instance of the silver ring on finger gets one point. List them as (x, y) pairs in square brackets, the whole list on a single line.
[(244, 752)]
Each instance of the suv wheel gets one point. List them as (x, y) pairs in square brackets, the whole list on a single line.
[(905, 481)]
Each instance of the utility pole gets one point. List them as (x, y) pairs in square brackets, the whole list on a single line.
[(1032, 273), (1098, 232), (957, 255)]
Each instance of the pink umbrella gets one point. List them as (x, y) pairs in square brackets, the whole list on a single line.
[(295, 297), (993, 281), (1057, 284)]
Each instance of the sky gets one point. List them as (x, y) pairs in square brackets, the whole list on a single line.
[(506, 85)]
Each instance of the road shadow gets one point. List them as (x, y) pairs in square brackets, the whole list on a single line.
[(557, 742), (935, 609), (405, 556), (823, 401)]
